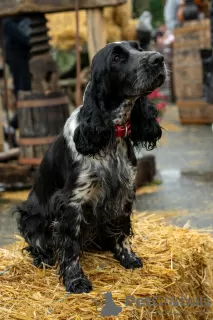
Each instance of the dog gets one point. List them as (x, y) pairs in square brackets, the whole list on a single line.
[(83, 195)]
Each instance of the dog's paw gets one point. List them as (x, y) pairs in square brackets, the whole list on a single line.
[(130, 261), (40, 260), (78, 285)]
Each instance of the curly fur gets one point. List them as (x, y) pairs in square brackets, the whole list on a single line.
[(83, 194)]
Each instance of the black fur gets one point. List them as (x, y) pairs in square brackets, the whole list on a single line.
[(84, 191), (95, 130), (146, 130)]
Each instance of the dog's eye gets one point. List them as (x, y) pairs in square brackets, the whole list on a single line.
[(116, 58)]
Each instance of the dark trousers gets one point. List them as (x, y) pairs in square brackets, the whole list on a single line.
[(19, 68)]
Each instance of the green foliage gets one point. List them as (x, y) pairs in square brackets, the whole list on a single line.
[(154, 6), (139, 6), (65, 60)]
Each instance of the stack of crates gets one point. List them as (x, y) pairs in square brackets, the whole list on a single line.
[(188, 71)]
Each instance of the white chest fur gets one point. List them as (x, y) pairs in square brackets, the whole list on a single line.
[(102, 179), (106, 181)]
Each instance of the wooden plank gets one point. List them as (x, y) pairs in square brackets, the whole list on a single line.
[(201, 25), (71, 82), (13, 173), (12, 7), (43, 103), (192, 44), (187, 90), (194, 121), (186, 60), (12, 154), (193, 35), (192, 103), (195, 112), (30, 161), (36, 141), (96, 31), (189, 73)]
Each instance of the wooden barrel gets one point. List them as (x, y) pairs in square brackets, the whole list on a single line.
[(146, 170), (41, 119)]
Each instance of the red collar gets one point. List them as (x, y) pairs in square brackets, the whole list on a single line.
[(123, 131)]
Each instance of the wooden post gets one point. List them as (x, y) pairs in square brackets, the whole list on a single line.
[(6, 105), (78, 58), (1, 127), (96, 31)]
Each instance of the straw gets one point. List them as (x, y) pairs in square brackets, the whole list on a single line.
[(177, 265)]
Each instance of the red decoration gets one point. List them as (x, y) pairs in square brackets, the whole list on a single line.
[(123, 131)]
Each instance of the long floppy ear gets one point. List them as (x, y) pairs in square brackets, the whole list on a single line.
[(146, 130), (95, 131)]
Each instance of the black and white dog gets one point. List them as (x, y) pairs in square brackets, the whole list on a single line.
[(83, 195)]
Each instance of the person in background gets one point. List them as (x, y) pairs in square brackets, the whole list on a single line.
[(16, 34), (159, 38), (170, 14)]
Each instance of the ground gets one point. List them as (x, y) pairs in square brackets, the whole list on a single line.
[(185, 164), (184, 161)]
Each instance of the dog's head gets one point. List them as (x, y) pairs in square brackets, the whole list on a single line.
[(123, 70), (120, 71)]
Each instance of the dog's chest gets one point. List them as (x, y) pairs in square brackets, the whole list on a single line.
[(108, 181), (122, 114), (116, 169)]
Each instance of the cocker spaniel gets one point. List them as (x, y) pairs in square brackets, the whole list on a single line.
[(84, 191)]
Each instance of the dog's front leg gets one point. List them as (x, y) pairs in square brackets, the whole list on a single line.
[(68, 248), (123, 251), (125, 255)]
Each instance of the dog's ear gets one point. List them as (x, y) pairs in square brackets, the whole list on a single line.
[(95, 131), (135, 45), (146, 130)]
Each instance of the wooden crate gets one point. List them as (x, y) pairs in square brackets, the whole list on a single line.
[(146, 170), (194, 34), (14, 175), (186, 57), (189, 91), (188, 81), (189, 74), (195, 112), (187, 63), (41, 119)]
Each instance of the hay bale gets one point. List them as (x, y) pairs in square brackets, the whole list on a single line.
[(64, 35), (113, 33), (129, 31), (123, 14), (177, 263), (109, 14)]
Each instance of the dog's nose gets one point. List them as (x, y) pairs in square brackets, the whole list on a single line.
[(156, 59)]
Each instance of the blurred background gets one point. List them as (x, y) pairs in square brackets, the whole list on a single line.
[(46, 48)]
